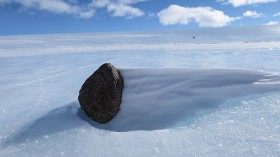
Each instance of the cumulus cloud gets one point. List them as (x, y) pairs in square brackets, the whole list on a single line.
[(124, 10), (100, 3), (252, 14), (271, 23), (238, 3), (121, 8), (204, 16), (54, 6)]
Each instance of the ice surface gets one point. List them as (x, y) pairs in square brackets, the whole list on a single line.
[(217, 95)]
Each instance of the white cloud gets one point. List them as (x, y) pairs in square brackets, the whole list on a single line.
[(277, 14), (204, 16), (238, 3), (120, 8), (54, 6), (124, 10), (130, 1), (100, 3), (87, 14), (252, 14), (271, 23)]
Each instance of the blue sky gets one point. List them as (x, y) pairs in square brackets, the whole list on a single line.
[(76, 16)]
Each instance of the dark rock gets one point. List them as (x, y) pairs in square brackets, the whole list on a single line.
[(101, 94)]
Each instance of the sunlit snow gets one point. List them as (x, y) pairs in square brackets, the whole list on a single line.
[(217, 94)]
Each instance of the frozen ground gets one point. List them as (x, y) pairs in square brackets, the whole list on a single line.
[(215, 95)]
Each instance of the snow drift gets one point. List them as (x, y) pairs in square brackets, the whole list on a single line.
[(166, 98)]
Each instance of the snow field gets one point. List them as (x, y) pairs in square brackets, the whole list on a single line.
[(213, 96)]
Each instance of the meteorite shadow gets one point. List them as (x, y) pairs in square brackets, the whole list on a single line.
[(57, 120)]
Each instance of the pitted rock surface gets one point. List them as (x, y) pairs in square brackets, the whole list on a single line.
[(101, 94)]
